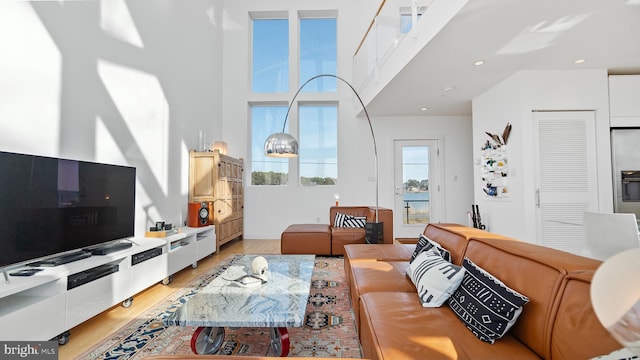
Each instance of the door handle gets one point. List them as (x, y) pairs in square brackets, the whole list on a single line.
[(398, 192), (538, 198)]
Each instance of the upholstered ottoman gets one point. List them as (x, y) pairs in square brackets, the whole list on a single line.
[(306, 239)]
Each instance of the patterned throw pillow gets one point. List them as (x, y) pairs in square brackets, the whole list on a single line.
[(424, 243), (350, 221), (339, 219), (435, 278), (485, 304)]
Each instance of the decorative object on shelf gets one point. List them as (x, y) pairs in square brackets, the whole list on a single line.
[(494, 164), (160, 226), (284, 145), (505, 135), (221, 146), (161, 233), (199, 214), (615, 295)]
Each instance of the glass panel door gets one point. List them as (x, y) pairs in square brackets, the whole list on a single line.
[(414, 184)]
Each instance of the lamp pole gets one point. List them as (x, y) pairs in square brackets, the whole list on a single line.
[(273, 140)]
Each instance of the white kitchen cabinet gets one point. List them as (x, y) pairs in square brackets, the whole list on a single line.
[(624, 100)]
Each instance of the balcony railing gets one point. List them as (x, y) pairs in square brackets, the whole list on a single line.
[(416, 211), (394, 20)]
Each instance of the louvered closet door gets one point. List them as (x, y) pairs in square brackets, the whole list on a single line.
[(566, 181)]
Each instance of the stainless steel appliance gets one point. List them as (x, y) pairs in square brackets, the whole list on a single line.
[(625, 152)]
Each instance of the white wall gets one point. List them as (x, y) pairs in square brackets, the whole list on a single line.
[(455, 150), (513, 101), (127, 83)]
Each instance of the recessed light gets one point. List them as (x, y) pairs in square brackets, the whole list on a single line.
[(448, 89), (580, 61), (478, 63), (424, 109)]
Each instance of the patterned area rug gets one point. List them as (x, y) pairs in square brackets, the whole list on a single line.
[(329, 329)]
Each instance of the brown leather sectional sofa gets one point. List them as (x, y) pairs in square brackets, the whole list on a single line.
[(557, 323)]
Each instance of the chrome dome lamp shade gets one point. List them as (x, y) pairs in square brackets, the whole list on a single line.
[(281, 145)]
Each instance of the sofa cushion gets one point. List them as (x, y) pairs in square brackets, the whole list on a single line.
[(435, 278), (374, 276), (345, 236), (349, 221), (451, 238), (487, 306), (424, 243), (577, 332), (395, 326), (379, 252)]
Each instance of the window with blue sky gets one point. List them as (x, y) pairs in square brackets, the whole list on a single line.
[(318, 54), (316, 123), (319, 155), (270, 63)]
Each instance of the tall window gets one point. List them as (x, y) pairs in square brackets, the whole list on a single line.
[(270, 65), (319, 155), (318, 53), (266, 120), (316, 124)]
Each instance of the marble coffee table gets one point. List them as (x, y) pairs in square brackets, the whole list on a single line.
[(235, 300)]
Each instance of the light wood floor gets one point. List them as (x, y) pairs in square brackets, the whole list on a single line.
[(99, 327)]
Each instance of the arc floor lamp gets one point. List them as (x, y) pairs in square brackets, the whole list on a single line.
[(283, 145)]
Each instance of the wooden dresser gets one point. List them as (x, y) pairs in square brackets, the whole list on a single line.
[(217, 178)]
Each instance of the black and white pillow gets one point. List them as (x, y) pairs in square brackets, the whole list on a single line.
[(434, 277), (339, 219), (486, 306), (424, 243), (350, 221)]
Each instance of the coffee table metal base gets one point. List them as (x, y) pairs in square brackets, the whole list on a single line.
[(207, 340)]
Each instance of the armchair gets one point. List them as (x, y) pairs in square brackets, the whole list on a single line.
[(341, 236), (327, 239)]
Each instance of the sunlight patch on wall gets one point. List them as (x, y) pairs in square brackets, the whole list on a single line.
[(144, 109), (107, 150), (116, 21), (211, 15), (146, 211), (541, 35), (30, 81)]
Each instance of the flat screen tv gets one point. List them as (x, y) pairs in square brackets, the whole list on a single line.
[(50, 205)]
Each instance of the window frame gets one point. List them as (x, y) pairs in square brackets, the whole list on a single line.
[(284, 98)]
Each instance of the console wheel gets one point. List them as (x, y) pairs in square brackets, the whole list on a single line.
[(63, 338), (127, 303)]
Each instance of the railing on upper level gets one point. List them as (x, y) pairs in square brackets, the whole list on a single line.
[(393, 21)]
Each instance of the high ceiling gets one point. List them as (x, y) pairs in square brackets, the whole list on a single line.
[(509, 36)]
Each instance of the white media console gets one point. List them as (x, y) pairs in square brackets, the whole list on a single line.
[(47, 304)]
